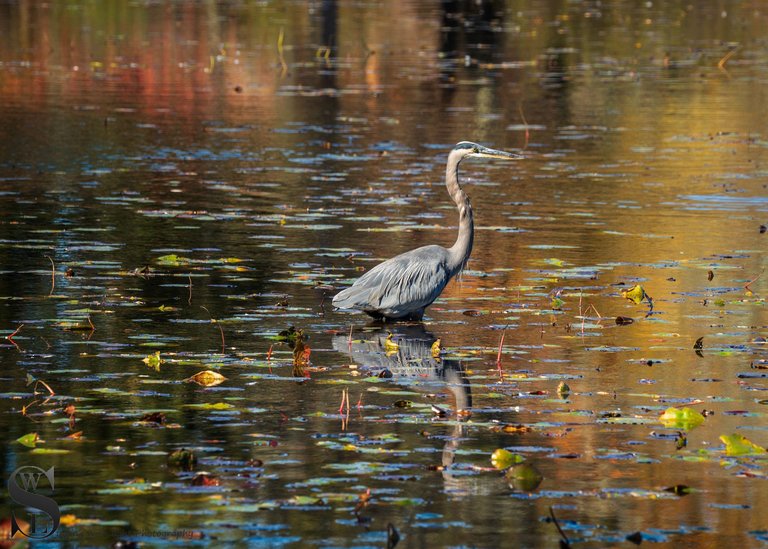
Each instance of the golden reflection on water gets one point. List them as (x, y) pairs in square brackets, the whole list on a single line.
[(645, 163)]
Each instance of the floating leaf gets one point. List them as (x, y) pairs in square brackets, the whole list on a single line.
[(172, 260), (207, 378), (153, 360), (29, 440), (681, 418), (436, 349), (49, 451), (390, 346), (635, 294), (211, 406), (679, 489), (153, 417), (290, 335), (739, 445), (563, 390), (503, 459), (183, 458)]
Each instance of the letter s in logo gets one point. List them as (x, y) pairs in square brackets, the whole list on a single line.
[(22, 487)]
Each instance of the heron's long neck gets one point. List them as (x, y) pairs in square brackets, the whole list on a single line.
[(459, 252)]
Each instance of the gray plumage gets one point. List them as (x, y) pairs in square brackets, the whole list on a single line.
[(402, 287)]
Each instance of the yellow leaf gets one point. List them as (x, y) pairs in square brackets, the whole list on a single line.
[(636, 294), (390, 346), (739, 445), (68, 520), (153, 360), (29, 440), (207, 378), (503, 459), (436, 348), (681, 418)]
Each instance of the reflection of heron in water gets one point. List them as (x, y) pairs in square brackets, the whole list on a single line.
[(403, 286), (405, 352)]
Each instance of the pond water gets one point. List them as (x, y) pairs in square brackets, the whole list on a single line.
[(193, 179)]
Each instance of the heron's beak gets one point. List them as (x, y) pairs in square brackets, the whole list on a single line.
[(485, 152)]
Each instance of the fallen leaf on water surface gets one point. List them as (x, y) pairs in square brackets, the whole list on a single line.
[(681, 418), (390, 346), (436, 348), (153, 417), (29, 440), (205, 479), (739, 445), (211, 406), (183, 458), (503, 459), (289, 335), (172, 260), (516, 429), (49, 451), (679, 489), (207, 378), (153, 360), (635, 294)]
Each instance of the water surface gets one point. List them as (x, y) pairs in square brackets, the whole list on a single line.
[(200, 177)]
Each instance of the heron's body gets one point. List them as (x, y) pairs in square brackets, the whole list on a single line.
[(403, 286)]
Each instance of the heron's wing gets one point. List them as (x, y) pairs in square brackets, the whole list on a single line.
[(401, 285)]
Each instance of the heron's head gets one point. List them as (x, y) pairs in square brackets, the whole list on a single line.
[(469, 149)]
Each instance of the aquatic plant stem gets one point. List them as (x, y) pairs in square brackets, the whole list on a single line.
[(525, 124), (564, 542), (498, 355), (16, 331), (53, 275), (221, 331), (746, 286), (283, 64)]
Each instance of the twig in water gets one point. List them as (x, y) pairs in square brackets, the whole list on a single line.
[(221, 331), (344, 401), (25, 409), (525, 123), (189, 300), (725, 58), (53, 275), (746, 286), (44, 384), (16, 331), (498, 355), (564, 542)]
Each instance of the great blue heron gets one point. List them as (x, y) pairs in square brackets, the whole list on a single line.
[(402, 287)]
